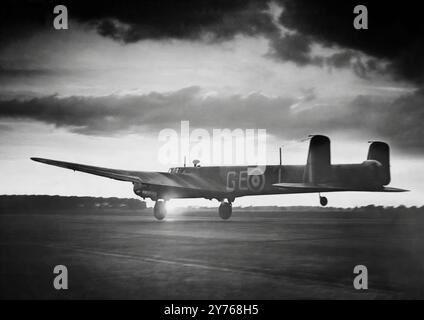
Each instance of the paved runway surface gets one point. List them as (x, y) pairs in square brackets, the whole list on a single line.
[(255, 255)]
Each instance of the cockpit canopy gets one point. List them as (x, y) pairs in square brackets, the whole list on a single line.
[(183, 169)]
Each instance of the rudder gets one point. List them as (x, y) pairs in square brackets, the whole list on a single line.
[(380, 151), (318, 165)]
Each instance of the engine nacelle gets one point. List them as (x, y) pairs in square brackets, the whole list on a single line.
[(143, 191)]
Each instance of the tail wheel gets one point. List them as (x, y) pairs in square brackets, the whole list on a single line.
[(225, 210), (323, 201), (159, 210)]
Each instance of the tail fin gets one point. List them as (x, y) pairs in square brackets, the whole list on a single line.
[(318, 165), (380, 151)]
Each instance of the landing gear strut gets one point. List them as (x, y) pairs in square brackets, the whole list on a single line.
[(323, 200), (225, 210), (159, 210)]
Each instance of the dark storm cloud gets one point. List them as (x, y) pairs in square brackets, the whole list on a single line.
[(395, 33), (398, 122), (131, 21), (181, 19), (22, 18), (294, 47)]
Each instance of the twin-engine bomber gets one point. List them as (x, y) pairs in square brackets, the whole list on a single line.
[(226, 183)]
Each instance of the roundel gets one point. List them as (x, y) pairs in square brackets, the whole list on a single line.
[(256, 182)]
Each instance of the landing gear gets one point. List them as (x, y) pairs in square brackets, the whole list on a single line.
[(159, 210), (323, 200), (225, 210)]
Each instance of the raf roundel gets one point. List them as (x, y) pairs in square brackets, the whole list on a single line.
[(256, 182)]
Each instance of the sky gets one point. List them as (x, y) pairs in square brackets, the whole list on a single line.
[(101, 91)]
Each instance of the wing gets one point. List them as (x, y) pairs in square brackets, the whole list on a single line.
[(156, 179), (99, 171), (309, 187)]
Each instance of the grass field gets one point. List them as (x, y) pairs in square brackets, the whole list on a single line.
[(112, 254)]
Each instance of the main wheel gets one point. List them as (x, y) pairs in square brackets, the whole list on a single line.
[(159, 210), (323, 201), (225, 210)]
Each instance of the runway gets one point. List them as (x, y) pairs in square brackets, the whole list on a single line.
[(121, 254)]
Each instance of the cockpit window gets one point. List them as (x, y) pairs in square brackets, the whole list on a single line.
[(179, 170)]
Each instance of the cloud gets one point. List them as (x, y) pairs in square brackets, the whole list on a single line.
[(400, 120), (395, 33), (397, 121), (7, 73), (218, 20), (122, 114), (4, 127), (130, 21), (293, 47)]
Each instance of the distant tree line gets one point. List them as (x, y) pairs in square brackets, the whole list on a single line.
[(28, 203), (363, 209), (44, 202)]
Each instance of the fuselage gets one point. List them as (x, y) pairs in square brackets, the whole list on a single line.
[(238, 181)]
